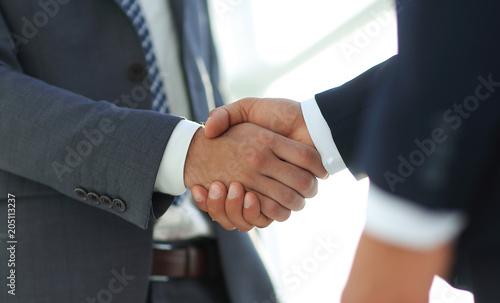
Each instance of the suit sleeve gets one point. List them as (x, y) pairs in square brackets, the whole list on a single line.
[(344, 107), (429, 122), (66, 141)]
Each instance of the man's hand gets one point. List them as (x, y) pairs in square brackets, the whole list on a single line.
[(281, 116), (233, 209), (277, 169)]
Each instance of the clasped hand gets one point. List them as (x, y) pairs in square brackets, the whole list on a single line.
[(250, 174)]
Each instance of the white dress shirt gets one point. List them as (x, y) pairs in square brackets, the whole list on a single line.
[(185, 220), (389, 218)]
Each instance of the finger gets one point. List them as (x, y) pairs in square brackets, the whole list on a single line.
[(272, 209), (200, 195), (282, 198), (235, 205), (217, 123), (300, 155), (260, 170), (251, 211), (216, 203), (299, 184), (304, 159)]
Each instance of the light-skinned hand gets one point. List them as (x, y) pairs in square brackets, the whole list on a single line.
[(233, 209), (275, 168), (282, 116)]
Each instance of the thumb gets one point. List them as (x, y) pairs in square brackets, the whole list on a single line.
[(217, 123), (220, 119)]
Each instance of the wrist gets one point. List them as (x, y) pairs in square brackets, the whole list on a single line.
[(192, 159)]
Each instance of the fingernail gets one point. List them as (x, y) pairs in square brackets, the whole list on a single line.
[(215, 192), (326, 177), (247, 202), (197, 197), (233, 192)]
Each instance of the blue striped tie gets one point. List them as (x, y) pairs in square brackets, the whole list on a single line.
[(134, 12), (160, 104)]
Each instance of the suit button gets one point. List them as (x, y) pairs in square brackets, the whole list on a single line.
[(106, 201), (119, 205), (80, 193), (93, 197), (136, 71)]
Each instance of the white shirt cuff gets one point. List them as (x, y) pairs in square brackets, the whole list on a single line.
[(170, 177), (322, 137), (399, 222)]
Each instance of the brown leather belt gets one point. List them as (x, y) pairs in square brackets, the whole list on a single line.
[(187, 260)]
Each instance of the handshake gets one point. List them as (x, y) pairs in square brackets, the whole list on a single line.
[(253, 163)]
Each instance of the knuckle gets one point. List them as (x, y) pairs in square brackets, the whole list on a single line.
[(265, 137), (278, 124), (310, 186), (306, 155), (256, 159), (275, 211), (285, 215), (305, 182), (290, 199)]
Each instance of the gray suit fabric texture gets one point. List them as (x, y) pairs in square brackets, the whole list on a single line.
[(72, 117)]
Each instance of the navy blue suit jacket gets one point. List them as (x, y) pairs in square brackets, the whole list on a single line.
[(425, 124)]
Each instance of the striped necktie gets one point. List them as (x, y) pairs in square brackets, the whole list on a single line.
[(134, 12), (160, 104)]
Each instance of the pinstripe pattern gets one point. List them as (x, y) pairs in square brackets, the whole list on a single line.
[(134, 12)]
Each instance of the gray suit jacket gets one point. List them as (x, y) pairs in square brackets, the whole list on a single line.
[(75, 114)]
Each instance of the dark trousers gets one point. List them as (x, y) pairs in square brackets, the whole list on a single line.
[(196, 290)]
